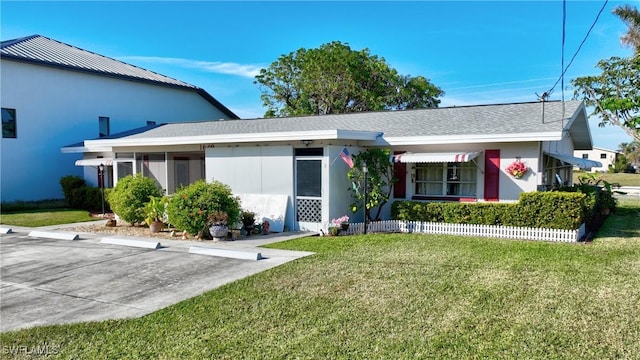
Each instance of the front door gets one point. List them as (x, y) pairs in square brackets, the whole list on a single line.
[(309, 189), (181, 171)]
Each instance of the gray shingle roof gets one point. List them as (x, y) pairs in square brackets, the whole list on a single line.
[(41, 50), (502, 119)]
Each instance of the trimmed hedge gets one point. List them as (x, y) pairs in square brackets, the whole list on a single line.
[(554, 210)]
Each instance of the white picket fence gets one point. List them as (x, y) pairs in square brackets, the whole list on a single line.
[(496, 231)]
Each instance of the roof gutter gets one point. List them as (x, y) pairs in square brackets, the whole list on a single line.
[(337, 134)]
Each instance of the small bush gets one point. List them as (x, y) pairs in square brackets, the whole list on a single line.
[(190, 206), (88, 198), (69, 184), (130, 195)]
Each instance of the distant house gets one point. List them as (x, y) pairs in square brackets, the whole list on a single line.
[(605, 156), (54, 94), (442, 154)]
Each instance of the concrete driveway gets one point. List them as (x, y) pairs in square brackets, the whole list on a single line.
[(46, 281)]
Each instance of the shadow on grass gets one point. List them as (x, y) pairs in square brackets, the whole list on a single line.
[(624, 222)]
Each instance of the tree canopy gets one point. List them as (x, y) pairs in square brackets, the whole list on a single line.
[(334, 79), (614, 94)]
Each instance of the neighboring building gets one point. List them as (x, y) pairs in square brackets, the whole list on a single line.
[(606, 157), (442, 154), (54, 94)]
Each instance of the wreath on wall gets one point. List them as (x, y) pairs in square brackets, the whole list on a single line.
[(517, 169)]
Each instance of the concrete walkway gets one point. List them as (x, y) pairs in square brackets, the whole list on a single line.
[(44, 280)]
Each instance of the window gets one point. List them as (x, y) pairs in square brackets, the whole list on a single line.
[(446, 179), (9, 123), (149, 122), (603, 156), (585, 156), (103, 123)]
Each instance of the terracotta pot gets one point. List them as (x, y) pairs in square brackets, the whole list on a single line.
[(156, 226)]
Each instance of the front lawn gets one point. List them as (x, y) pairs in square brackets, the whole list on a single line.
[(623, 179), (45, 217), (397, 296)]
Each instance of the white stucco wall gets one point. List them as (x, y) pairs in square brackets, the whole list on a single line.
[(596, 154), (337, 194), (509, 188), (56, 108), (255, 170)]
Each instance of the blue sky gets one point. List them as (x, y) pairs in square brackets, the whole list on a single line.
[(478, 52)]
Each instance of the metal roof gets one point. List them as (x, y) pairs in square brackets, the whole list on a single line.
[(511, 122), (37, 49)]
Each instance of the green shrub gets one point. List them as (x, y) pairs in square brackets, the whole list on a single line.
[(556, 210), (69, 184), (130, 195), (450, 212), (551, 209), (88, 198), (190, 206)]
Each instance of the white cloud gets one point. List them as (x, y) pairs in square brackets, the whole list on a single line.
[(229, 68)]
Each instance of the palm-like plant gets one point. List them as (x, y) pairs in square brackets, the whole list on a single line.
[(631, 16), (631, 151)]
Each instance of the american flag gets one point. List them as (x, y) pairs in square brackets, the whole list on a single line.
[(346, 157)]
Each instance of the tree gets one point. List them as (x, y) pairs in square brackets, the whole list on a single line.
[(334, 79), (615, 93), (380, 180), (632, 152), (631, 16)]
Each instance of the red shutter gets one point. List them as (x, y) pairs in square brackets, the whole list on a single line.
[(400, 172), (492, 175)]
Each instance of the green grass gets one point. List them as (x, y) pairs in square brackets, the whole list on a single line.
[(35, 218), (624, 179), (398, 296)]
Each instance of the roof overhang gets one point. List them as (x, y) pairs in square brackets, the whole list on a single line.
[(466, 139), (409, 157), (337, 134), (84, 149), (578, 129), (572, 160)]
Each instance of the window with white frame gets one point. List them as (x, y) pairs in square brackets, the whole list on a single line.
[(446, 179)]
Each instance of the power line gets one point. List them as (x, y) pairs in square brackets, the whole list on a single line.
[(579, 47)]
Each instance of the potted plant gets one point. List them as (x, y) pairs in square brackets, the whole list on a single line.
[(517, 169), (154, 211), (248, 221), (341, 222), (217, 222)]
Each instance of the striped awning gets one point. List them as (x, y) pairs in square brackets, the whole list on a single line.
[(572, 160), (95, 162), (409, 157)]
